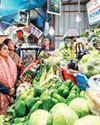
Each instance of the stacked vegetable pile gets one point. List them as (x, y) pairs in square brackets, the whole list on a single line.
[(61, 54), (93, 36), (90, 64), (38, 98), (49, 101)]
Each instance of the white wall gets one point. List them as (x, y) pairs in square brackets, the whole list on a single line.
[(68, 21)]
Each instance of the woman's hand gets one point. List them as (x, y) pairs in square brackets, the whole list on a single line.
[(94, 98), (20, 66), (97, 102), (12, 91)]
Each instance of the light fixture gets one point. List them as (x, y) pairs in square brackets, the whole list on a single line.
[(78, 18), (46, 25), (51, 31), (46, 28)]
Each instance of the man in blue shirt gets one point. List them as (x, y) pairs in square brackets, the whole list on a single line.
[(82, 82)]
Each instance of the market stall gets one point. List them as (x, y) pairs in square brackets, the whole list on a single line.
[(59, 87)]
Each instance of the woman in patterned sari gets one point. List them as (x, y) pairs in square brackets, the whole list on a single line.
[(8, 75), (14, 55)]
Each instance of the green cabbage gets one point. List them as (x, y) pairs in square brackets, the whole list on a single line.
[(88, 120), (61, 114), (80, 106), (90, 63), (39, 117)]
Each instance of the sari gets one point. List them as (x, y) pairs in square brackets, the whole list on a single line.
[(8, 75), (15, 57)]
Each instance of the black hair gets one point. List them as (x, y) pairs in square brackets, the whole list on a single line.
[(19, 31), (1, 45), (73, 65), (6, 41), (47, 37)]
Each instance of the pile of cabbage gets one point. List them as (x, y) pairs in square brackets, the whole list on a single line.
[(90, 64), (93, 36), (61, 114)]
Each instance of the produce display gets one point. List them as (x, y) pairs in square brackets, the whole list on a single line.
[(93, 36), (90, 63), (63, 54), (49, 100)]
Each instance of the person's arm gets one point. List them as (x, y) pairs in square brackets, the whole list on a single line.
[(73, 71), (4, 89)]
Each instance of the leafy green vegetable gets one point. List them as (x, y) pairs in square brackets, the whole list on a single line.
[(80, 106), (20, 108), (39, 117), (90, 63), (36, 106), (61, 114), (30, 101)]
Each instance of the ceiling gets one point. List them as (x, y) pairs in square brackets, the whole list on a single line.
[(74, 1)]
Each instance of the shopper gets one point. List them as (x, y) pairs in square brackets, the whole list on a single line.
[(82, 82), (66, 74), (8, 75), (13, 54), (11, 49)]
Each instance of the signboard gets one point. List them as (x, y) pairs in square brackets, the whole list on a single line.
[(93, 9), (54, 7), (35, 31)]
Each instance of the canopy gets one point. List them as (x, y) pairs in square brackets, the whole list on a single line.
[(13, 6), (9, 10)]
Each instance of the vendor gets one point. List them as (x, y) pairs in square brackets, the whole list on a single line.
[(46, 46), (82, 82), (8, 75), (13, 54)]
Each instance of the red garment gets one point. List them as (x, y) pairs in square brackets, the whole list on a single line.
[(8, 72), (8, 75), (67, 75)]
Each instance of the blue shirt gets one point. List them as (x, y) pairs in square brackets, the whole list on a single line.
[(82, 81)]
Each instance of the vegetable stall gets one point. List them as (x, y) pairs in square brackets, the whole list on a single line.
[(50, 100), (43, 97)]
